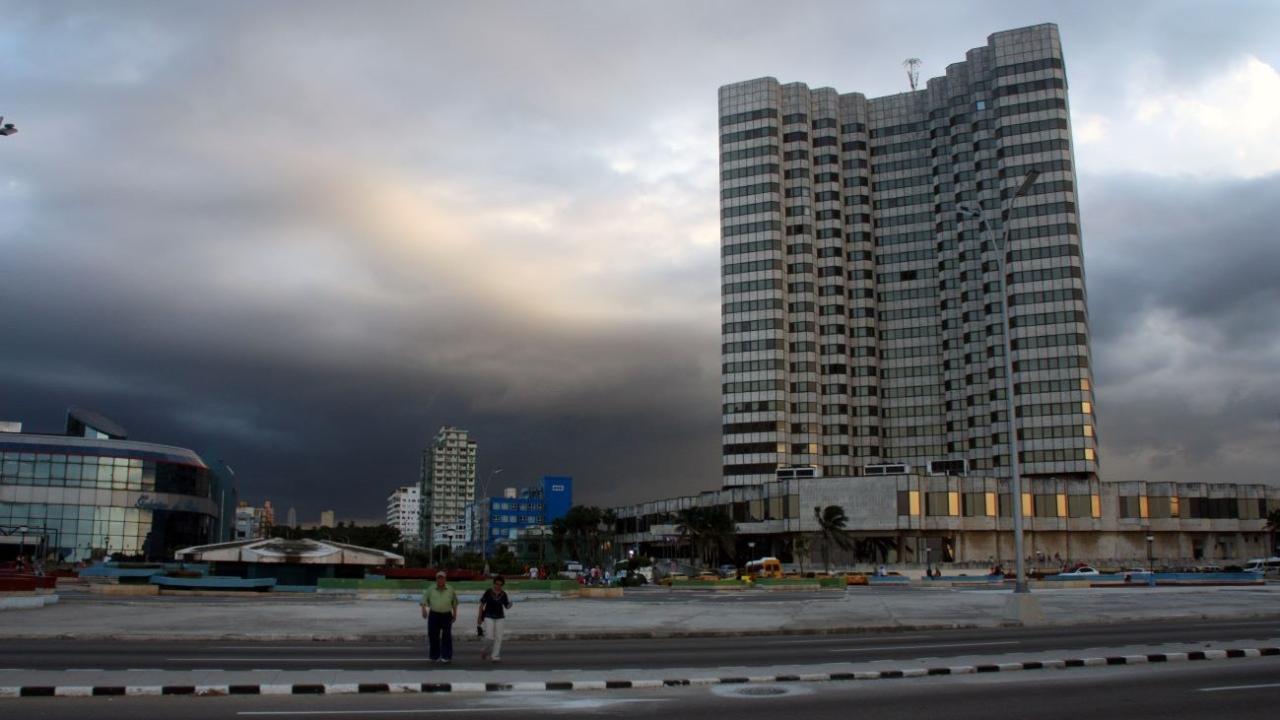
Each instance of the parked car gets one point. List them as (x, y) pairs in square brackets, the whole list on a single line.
[(1082, 571), (1270, 565), (728, 571)]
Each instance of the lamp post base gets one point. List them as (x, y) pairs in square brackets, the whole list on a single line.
[(1023, 609)]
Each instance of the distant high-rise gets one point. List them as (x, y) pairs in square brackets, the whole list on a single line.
[(292, 517), (404, 511), (326, 519), (861, 311), (250, 523), (447, 485)]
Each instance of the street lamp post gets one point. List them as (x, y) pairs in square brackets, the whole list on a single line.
[(1015, 480), (488, 508), (928, 561), (1150, 562)]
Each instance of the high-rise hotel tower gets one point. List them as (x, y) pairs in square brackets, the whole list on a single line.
[(862, 329)]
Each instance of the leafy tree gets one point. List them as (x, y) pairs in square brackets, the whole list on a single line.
[(380, 537), (583, 524), (831, 530)]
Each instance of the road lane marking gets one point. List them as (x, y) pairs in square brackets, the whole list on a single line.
[(317, 646), (1239, 687), (813, 641), (295, 659), (921, 647), (421, 711)]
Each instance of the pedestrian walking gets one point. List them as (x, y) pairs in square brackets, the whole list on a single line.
[(440, 609), (492, 610)]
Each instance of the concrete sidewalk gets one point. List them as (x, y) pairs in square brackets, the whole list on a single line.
[(645, 613)]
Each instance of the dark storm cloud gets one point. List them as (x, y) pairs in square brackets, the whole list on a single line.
[(301, 237), (1183, 302)]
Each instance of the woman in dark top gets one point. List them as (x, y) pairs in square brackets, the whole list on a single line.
[(492, 606)]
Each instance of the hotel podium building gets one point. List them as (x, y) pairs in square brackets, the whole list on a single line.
[(862, 351)]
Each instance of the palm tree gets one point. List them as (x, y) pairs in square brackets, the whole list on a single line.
[(559, 537), (801, 546), (608, 529), (690, 527), (718, 530), (875, 549), (831, 524), (1272, 527)]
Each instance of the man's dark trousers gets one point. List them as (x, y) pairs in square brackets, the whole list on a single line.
[(440, 635)]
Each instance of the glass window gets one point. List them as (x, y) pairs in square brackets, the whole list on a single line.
[(936, 504), (1079, 506)]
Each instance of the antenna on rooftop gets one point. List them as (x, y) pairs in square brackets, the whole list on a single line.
[(913, 71)]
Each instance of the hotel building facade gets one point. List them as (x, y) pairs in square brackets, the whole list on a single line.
[(862, 312), (862, 336)]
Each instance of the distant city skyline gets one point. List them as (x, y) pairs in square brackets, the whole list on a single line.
[(302, 248)]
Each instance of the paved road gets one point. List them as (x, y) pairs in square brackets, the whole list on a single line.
[(610, 654), (1244, 690)]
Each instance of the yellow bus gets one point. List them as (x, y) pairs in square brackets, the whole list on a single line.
[(767, 567)]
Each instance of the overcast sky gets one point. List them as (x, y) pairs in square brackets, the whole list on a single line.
[(302, 236)]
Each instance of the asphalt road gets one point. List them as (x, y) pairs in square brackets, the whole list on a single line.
[(610, 654), (1241, 690)]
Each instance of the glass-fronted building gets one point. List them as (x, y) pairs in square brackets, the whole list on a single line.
[(92, 492)]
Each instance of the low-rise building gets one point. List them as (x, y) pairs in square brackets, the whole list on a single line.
[(894, 518), (290, 562)]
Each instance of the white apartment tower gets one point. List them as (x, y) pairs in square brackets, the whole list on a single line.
[(404, 511), (861, 311), (448, 482)]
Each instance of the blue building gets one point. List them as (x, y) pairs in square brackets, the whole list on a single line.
[(502, 520), (557, 497)]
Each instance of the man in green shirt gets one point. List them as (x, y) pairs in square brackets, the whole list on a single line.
[(440, 608)]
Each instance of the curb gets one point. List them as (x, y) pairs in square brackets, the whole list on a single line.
[(567, 685), (609, 634), (514, 634)]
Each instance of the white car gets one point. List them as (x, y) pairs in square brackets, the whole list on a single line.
[(1082, 571)]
